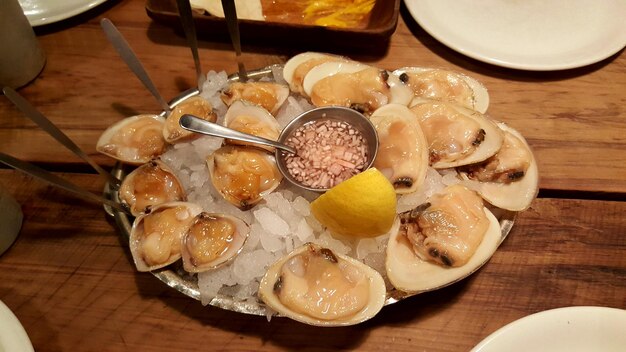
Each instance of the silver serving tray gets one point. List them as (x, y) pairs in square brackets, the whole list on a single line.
[(187, 284)]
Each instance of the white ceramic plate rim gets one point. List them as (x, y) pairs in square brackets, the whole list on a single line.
[(607, 37), (13, 337), (40, 12), (594, 325)]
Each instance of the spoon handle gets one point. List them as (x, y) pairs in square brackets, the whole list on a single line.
[(126, 53), (55, 180), (40, 119), (186, 18), (196, 124), (230, 13)]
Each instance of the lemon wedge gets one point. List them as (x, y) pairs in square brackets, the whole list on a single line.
[(362, 206)]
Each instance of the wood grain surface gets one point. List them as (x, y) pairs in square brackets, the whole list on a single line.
[(70, 280), (69, 277), (571, 118)]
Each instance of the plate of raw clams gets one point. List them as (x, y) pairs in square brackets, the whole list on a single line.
[(217, 220)]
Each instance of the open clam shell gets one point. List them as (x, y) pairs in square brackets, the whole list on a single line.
[(134, 140), (197, 106), (518, 194), (212, 240), (456, 135), (315, 286), (355, 85), (402, 151), (268, 95), (243, 175), (296, 69), (251, 119), (156, 237), (439, 84), (406, 268), (149, 185)]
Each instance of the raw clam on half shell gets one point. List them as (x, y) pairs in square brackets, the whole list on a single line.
[(444, 85), (149, 185), (402, 151), (156, 237), (456, 135), (212, 240), (197, 106), (315, 286), (441, 242), (251, 119), (134, 140), (354, 85), (243, 175), (509, 179), (268, 95)]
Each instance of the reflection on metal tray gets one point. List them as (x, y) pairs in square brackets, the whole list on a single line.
[(174, 275), (381, 26)]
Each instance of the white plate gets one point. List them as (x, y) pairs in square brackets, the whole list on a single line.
[(13, 338), (40, 12), (535, 35), (569, 329)]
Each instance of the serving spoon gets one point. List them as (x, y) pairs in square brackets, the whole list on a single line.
[(198, 125), (126, 53)]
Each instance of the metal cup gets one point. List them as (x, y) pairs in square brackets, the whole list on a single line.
[(22, 58)]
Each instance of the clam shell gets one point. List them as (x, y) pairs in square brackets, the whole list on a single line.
[(408, 273), (134, 140), (137, 240), (470, 93), (298, 67), (493, 136), (251, 119), (268, 95), (190, 243), (149, 185), (197, 106), (514, 196), (376, 288), (228, 173), (402, 151)]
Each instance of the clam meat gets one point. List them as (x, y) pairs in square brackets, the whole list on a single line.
[(151, 184), (445, 85), (456, 135), (268, 95), (354, 85), (402, 152), (134, 140), (156, 237), (251, 119), (509, 179), (243, 175), (315, 286), (441, 241), (197, 106), (212, 240)]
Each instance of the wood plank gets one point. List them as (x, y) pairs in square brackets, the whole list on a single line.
[(70, 280)]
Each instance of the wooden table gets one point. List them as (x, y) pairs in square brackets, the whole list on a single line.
[(70, 280)]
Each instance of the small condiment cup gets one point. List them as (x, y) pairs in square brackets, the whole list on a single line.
[(334, 113)]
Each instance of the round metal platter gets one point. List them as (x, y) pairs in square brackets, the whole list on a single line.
[(177, 278)]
